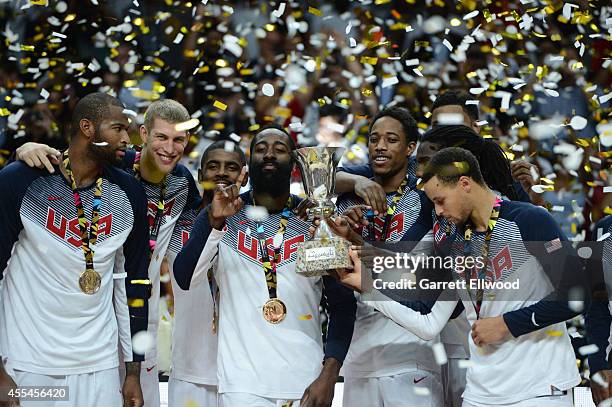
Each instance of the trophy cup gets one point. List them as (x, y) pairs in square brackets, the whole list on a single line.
[(325, 250)]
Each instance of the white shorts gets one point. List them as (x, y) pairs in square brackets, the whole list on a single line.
[(182, 393), (84, 390), (545, 401), (251, 400), (149, 382), (420, 388), (453, 382)]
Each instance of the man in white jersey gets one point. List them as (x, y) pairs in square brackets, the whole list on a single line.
[(170, 190), (514, 360), (270, 345), (193, 375), (386, 364), (62, 236)]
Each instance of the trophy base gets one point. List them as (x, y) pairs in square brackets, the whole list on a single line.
[(315, 257)]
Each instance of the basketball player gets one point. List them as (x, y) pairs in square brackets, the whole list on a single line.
[(270, 349), (170, 190), (598, 319), (62, 236), (193, 376), (515, 362), (386, 364)]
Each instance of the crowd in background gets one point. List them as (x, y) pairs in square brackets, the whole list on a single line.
[(538, 72)]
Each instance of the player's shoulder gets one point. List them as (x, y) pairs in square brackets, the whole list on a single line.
[(125, 181), (181, 171), (604, 224), (534, 222), (19, 173)]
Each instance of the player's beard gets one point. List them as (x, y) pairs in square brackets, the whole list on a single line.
[(275, 183), (104, 154)]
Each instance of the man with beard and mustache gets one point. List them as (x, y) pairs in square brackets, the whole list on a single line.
[(270, 348), (64, 238), (170, 189)]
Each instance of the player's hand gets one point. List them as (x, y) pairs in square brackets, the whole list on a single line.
[(38, 155), (320, 393), (302, 209), (339, 226), (226, 201), (601, 386), (356, 215), (526, 174), (7, 383), (348, 277), (132, 392), (487, 331), (373, 194)]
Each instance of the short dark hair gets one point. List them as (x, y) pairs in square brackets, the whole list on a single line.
[(402, 115), (95, 107), (333, 110), (220, 145), (449, 164), (456, 98), (274, 126)]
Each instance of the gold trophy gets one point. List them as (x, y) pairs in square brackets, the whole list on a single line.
[(324, 251)]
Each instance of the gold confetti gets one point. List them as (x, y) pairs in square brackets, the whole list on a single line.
[(551, 332), (369, 60), (314, 11), (220, 105), (4, 111)]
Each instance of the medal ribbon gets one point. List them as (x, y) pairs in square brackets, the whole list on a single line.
[(161, 206), (88, 237), (467, 250), (269, 265), (388, 216)]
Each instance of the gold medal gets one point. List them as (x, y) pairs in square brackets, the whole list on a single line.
[(274, 311), (90, 281)]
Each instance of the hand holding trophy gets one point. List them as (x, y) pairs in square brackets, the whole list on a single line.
[(325, 250)]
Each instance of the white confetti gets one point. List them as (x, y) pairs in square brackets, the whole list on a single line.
[(448, 45), (129, 112), (578, 122), (229, 146), (278, 240), (267, 89), (44, 93), (178, 38), (538, 189), (599, 379), (551, 92), (471, 15), (567, 10), (603, 237), (607, 190), (187, 125), (142, 342), (472, 102), (558, 208), (439, 353), (280, 11), (603, 99), (417, 71), (421, 391), (236, 138), (450, 118), (412, 62), (477, 91), (100, 144), (387, 82), (257, 213), (348, 29), (352, 42), (588, 349)]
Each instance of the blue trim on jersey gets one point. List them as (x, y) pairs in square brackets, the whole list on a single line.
[(598, 318), (537, 225)]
